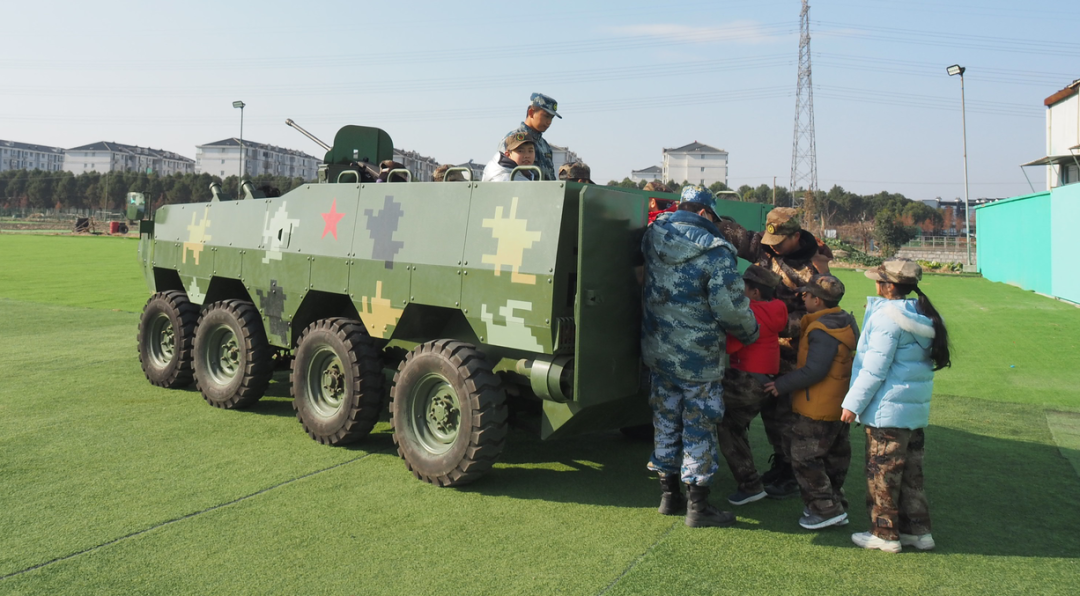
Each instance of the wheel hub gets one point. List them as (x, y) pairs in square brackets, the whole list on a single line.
[(327, 382), (443, 415), (164, 347)]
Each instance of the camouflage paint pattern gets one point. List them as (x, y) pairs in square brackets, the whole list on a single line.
[(895, 496), (685, 415), (820, 455), (508, 266), (743, 396)]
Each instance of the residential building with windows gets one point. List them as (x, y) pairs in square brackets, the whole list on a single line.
[(222, 159), (421, 166), (24, 156), (1062, 137), (107, 156), (562, 155), (696, 163), (477, 169), (648, 174)]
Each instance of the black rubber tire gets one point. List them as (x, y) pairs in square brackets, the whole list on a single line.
[(232, 357), (337, 381), (166, 331), (449, 413)]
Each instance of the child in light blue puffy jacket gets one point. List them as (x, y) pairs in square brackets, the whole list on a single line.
[(892, 378)]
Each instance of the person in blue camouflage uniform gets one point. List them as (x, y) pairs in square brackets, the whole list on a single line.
[(539, 116), (693, 297)]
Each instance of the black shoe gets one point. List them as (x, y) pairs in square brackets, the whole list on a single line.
[(700, 514), (779, 469), (672, 502), (782, 489)]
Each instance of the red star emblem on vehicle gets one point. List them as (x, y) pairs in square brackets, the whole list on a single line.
[(332, 218)]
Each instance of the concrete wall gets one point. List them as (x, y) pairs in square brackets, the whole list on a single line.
[(941, 255)]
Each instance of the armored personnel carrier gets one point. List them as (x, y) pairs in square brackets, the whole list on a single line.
[(464, 306)]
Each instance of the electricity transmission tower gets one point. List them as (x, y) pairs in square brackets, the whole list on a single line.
[(803, 149)]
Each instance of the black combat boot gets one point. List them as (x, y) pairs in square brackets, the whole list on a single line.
[(777, 470), (700, 514), (672, 501)]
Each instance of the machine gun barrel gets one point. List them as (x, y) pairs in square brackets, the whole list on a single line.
[(307, 134)]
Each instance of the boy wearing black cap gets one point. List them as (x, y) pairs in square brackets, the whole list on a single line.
[(820, 452)]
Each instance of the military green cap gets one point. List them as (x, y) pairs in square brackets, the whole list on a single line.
[(897, 271), (761, 275), (825, 287), (779, 224)]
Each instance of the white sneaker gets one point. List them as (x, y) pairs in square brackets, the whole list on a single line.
[(924, 542), (868, 540)]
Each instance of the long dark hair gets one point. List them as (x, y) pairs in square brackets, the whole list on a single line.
[(939, 347)]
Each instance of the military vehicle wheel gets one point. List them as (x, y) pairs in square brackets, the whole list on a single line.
[(337, 381), (449, 413), (233, 359), (166, 329)]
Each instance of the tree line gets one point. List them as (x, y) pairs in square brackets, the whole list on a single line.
[(42, 190)]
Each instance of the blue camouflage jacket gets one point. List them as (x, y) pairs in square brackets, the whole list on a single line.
[(693, 297), (544, 159)]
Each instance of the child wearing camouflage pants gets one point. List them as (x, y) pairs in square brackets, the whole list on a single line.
[(820, 451), (904, 341)]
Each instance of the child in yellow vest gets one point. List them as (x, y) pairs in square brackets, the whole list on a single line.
[(820, 451)]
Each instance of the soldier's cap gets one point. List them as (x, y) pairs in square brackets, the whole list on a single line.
[(655, 186), (563, 169), (577, 171), (825, 287), (779, 224), (761, 275), (517, 139), (897, 271), (549, 105), (700, 194)]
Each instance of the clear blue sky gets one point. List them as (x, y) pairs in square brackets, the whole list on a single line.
[(631, 77)]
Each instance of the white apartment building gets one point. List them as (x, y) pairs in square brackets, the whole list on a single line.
[(116, 157), (562, 155), (696, 163), (1062, 137), (421, 166), (222, 159), (648, 174), (24, 156)]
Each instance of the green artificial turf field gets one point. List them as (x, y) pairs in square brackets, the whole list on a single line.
[(109, 485)]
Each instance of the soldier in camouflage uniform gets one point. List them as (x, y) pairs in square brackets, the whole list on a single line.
[(538, 117), (903, 342), (796, 256), (693, 297)]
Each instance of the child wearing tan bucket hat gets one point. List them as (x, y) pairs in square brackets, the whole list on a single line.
[(903, 342)]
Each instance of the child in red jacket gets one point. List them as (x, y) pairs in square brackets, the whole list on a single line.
[(749, 369)]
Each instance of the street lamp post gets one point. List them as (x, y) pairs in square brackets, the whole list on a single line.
[(240, 180), (953, 70)]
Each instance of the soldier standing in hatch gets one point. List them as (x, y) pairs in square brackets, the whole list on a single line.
[(538, 117), (796, 256), (693, 297)]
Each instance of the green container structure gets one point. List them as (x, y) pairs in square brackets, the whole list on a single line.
[(463, 306)]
